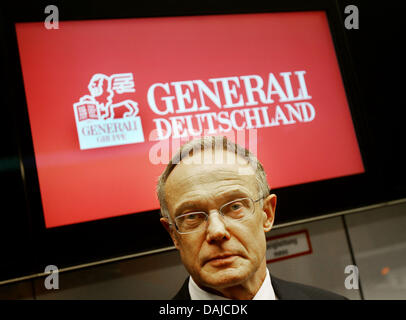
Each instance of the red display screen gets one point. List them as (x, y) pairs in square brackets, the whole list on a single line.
[(109, 101)]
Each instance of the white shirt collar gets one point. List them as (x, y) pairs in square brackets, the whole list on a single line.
[(265, 292)]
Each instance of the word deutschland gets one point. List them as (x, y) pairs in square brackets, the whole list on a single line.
[(244, 102)]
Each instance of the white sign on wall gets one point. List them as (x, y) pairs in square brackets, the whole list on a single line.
[(287, 246)]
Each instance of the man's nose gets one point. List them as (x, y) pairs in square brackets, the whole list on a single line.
[(216, 228)]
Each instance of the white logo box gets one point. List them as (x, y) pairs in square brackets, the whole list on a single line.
[(111, 132)]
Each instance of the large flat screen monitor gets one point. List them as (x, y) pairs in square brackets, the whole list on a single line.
[(109, 101)]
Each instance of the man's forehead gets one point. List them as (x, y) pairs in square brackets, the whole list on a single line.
[(209, 167)]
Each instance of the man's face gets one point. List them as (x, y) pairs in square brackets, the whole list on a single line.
[(226, 253)]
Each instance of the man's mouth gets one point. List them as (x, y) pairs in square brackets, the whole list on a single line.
[(222, 260)]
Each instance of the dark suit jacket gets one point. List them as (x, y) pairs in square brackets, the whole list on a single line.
[(284, 290)]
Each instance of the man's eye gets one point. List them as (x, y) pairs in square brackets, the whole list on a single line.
[(192, 216), (236, 206)]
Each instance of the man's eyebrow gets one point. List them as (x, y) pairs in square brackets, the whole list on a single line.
[(234, 192), (187, 205)]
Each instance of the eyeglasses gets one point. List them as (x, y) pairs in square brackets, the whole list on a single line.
[(236, 210)]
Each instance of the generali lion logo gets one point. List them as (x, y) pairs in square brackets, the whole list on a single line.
[(105, 119)]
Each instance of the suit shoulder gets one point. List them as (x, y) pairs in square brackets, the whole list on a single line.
[(183, 293), (297, 291)]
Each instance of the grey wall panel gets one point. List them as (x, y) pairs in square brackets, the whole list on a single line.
[(324, 267), (157, 276), (378, 238)]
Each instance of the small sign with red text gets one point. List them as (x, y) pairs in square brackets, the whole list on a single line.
[(287, 246)]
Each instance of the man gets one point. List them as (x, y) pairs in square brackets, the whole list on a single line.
[(217, 207)]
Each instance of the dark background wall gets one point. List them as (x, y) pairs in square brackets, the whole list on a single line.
[(378, 57)]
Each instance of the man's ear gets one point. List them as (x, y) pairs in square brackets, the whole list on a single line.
[(269, 210), (165, 223)]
